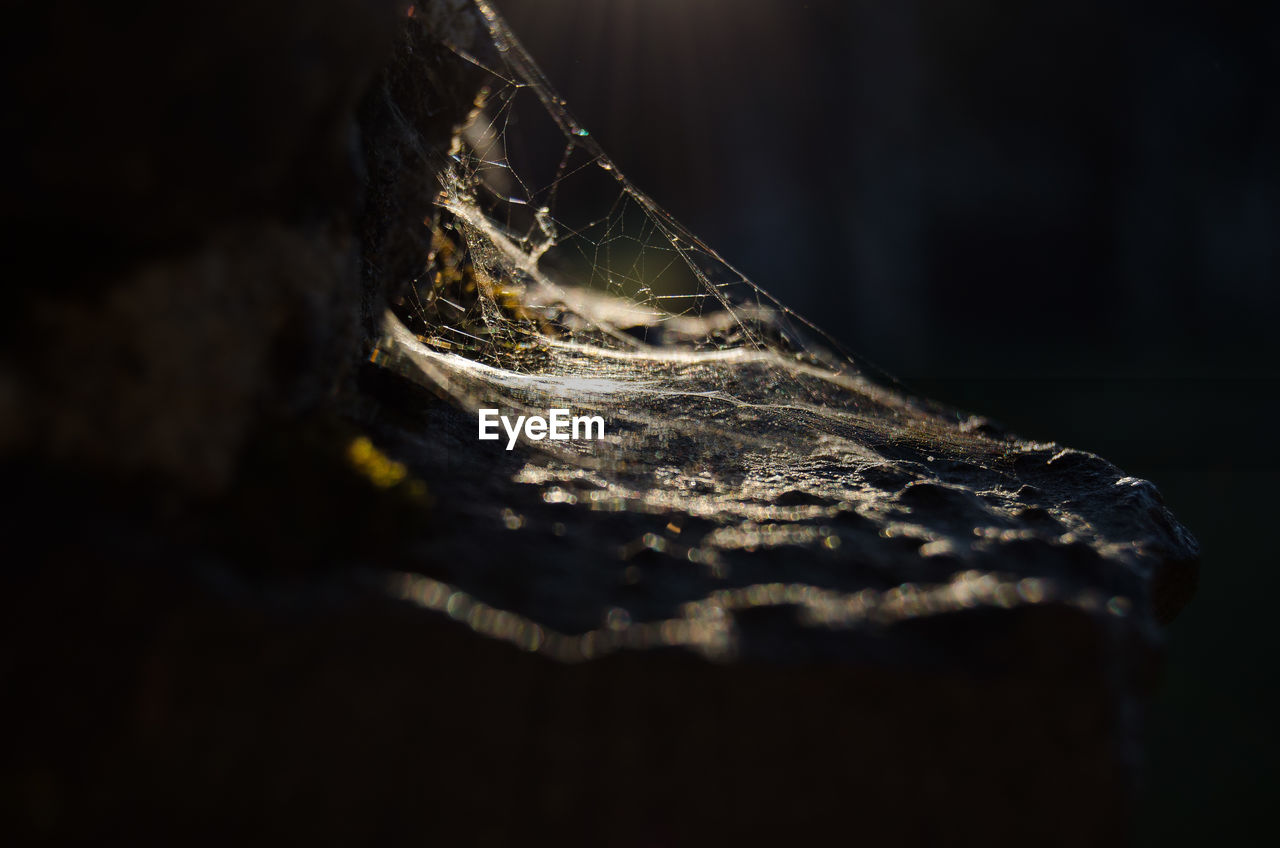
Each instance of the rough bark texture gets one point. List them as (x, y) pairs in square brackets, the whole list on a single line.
[(202, 642)]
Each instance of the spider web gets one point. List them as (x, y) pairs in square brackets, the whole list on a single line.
[(556, 281)]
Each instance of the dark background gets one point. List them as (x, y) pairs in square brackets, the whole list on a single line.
[(1060, 215)]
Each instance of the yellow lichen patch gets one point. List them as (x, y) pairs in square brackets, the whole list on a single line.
[(375, 465)]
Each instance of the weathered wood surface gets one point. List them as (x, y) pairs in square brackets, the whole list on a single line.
[(258, 591)]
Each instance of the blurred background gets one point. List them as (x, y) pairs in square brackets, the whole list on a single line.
[(1063, 216)]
